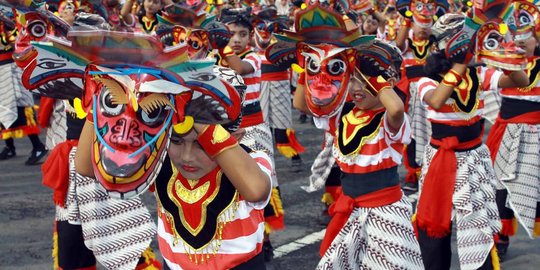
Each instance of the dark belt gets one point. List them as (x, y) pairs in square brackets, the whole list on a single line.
[(355, 184), (463, 133), (511, 107), (252, 108), (415, 72)]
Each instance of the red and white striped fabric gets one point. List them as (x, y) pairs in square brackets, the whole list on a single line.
[(531, 93), (270, 72), (252, 116), (449, 112), (382, 151), (241, 238), (252, 80)]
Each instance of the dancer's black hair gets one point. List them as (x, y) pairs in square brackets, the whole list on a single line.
[(238, 16), (436, 63)]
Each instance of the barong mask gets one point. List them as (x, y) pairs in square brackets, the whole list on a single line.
[(377, 65), (495, 47), (327, 73), (40, 72), (266, 23), (527, 20), (178, 24), (55, 76), (422, 12), (484, 33), (35, 25), (135, 92), (323, 50)]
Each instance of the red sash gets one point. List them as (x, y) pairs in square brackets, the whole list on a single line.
[(497, 130), (46, 106), (343, 207), (56, 171), (435, 202)]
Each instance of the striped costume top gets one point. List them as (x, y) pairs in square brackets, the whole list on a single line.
[(270, 72), (465, 105), (206, 224), (251, 110), (364, 144)]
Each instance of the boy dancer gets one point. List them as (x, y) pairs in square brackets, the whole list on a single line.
[(242, 58)]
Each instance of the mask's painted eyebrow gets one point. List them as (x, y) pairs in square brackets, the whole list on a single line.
[(153, 101), (117, 92)]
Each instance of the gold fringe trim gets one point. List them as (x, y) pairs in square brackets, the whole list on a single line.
[(277, 207), (327, 198), (15, 134), (413, 218), (536, 229), (199, 256), (55, 250), (149, 258), (267, 228), (495, 259), (287, 151), (276, 203), (30, 118)]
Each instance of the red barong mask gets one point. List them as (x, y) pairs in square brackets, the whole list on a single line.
[(327, 72), (135, 93), (484, 33), (422, 12), (322, 50), (35, 26), (180, 24), (527, 20)]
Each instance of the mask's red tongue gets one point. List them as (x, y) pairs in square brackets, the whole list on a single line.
[(322, 88)]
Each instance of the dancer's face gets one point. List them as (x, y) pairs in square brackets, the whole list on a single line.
[(240, 39), (528, 45), (189, 157), (361, 97), (152, 6)]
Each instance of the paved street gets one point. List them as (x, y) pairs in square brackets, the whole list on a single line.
[(26, 216)]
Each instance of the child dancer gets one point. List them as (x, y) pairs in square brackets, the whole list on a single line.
[(242, 58), (413, 40), (211, 197), (514, 140), (457, 178), (371, 226), (146, 19)]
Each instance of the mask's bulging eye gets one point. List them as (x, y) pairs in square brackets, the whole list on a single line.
[(491, 44), (108, 108), (312, 66), (419, 7), (524, 20), (154, 117), (336, 67), (194, 44), (38, 29)]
